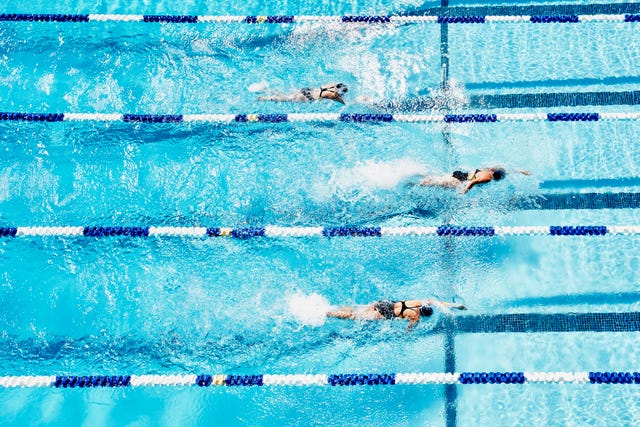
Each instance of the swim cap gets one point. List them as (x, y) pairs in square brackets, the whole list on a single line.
[(498, 174), (426, 311)]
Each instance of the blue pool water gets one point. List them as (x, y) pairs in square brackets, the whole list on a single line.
[(84, 306)]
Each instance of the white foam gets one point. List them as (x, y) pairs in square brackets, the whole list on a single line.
[(45, 82), (259, 86), (375, 175), (308, 309)]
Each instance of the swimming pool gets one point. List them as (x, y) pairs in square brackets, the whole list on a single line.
[(85, 305)]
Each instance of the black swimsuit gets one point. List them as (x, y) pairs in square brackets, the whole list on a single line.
[(464, 176), (386, 308)]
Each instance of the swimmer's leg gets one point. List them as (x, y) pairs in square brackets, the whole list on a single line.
[(446, 181), (343, 313), (414, 180), (278, 98)]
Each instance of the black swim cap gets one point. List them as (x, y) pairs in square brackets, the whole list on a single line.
[(426, 311), (498, 174)]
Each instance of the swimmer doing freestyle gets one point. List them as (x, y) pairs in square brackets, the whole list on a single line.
[(466, 180), (332, 91), (412, 310)]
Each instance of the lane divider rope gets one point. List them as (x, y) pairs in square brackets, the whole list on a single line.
[(328, 231), (347, 19), (206, 380), (319, 117)]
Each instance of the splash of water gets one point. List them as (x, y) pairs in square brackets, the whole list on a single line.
[(375, 175), (260, 86), (308, 309)]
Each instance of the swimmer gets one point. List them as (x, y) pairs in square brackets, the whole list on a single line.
[(333, 91), (467, 180), (412, 310)]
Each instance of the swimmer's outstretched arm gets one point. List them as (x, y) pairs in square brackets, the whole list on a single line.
[(473, 182), (413, 319), (444, 304), (523, 172)]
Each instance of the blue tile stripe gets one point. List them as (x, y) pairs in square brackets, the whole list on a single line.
[(511, 9), (557, 201), (529, 323), (536, 100)]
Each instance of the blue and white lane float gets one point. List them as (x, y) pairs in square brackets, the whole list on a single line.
[(206, 380), (327, 231), (319, 117), (346, 19)]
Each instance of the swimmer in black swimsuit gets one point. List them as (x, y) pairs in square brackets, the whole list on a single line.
[(467, 180), (411, 310), (333, 91)]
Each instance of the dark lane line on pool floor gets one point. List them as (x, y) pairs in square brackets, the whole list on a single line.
[(577, 201), (450, 390), (584, 183), (514, 100), (542, 322), (548, 9), (546, 84)]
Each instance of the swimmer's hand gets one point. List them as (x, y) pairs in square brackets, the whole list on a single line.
[(524, 172), (460, 307)]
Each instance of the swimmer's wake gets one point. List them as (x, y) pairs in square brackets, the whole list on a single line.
[(310, 309)]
